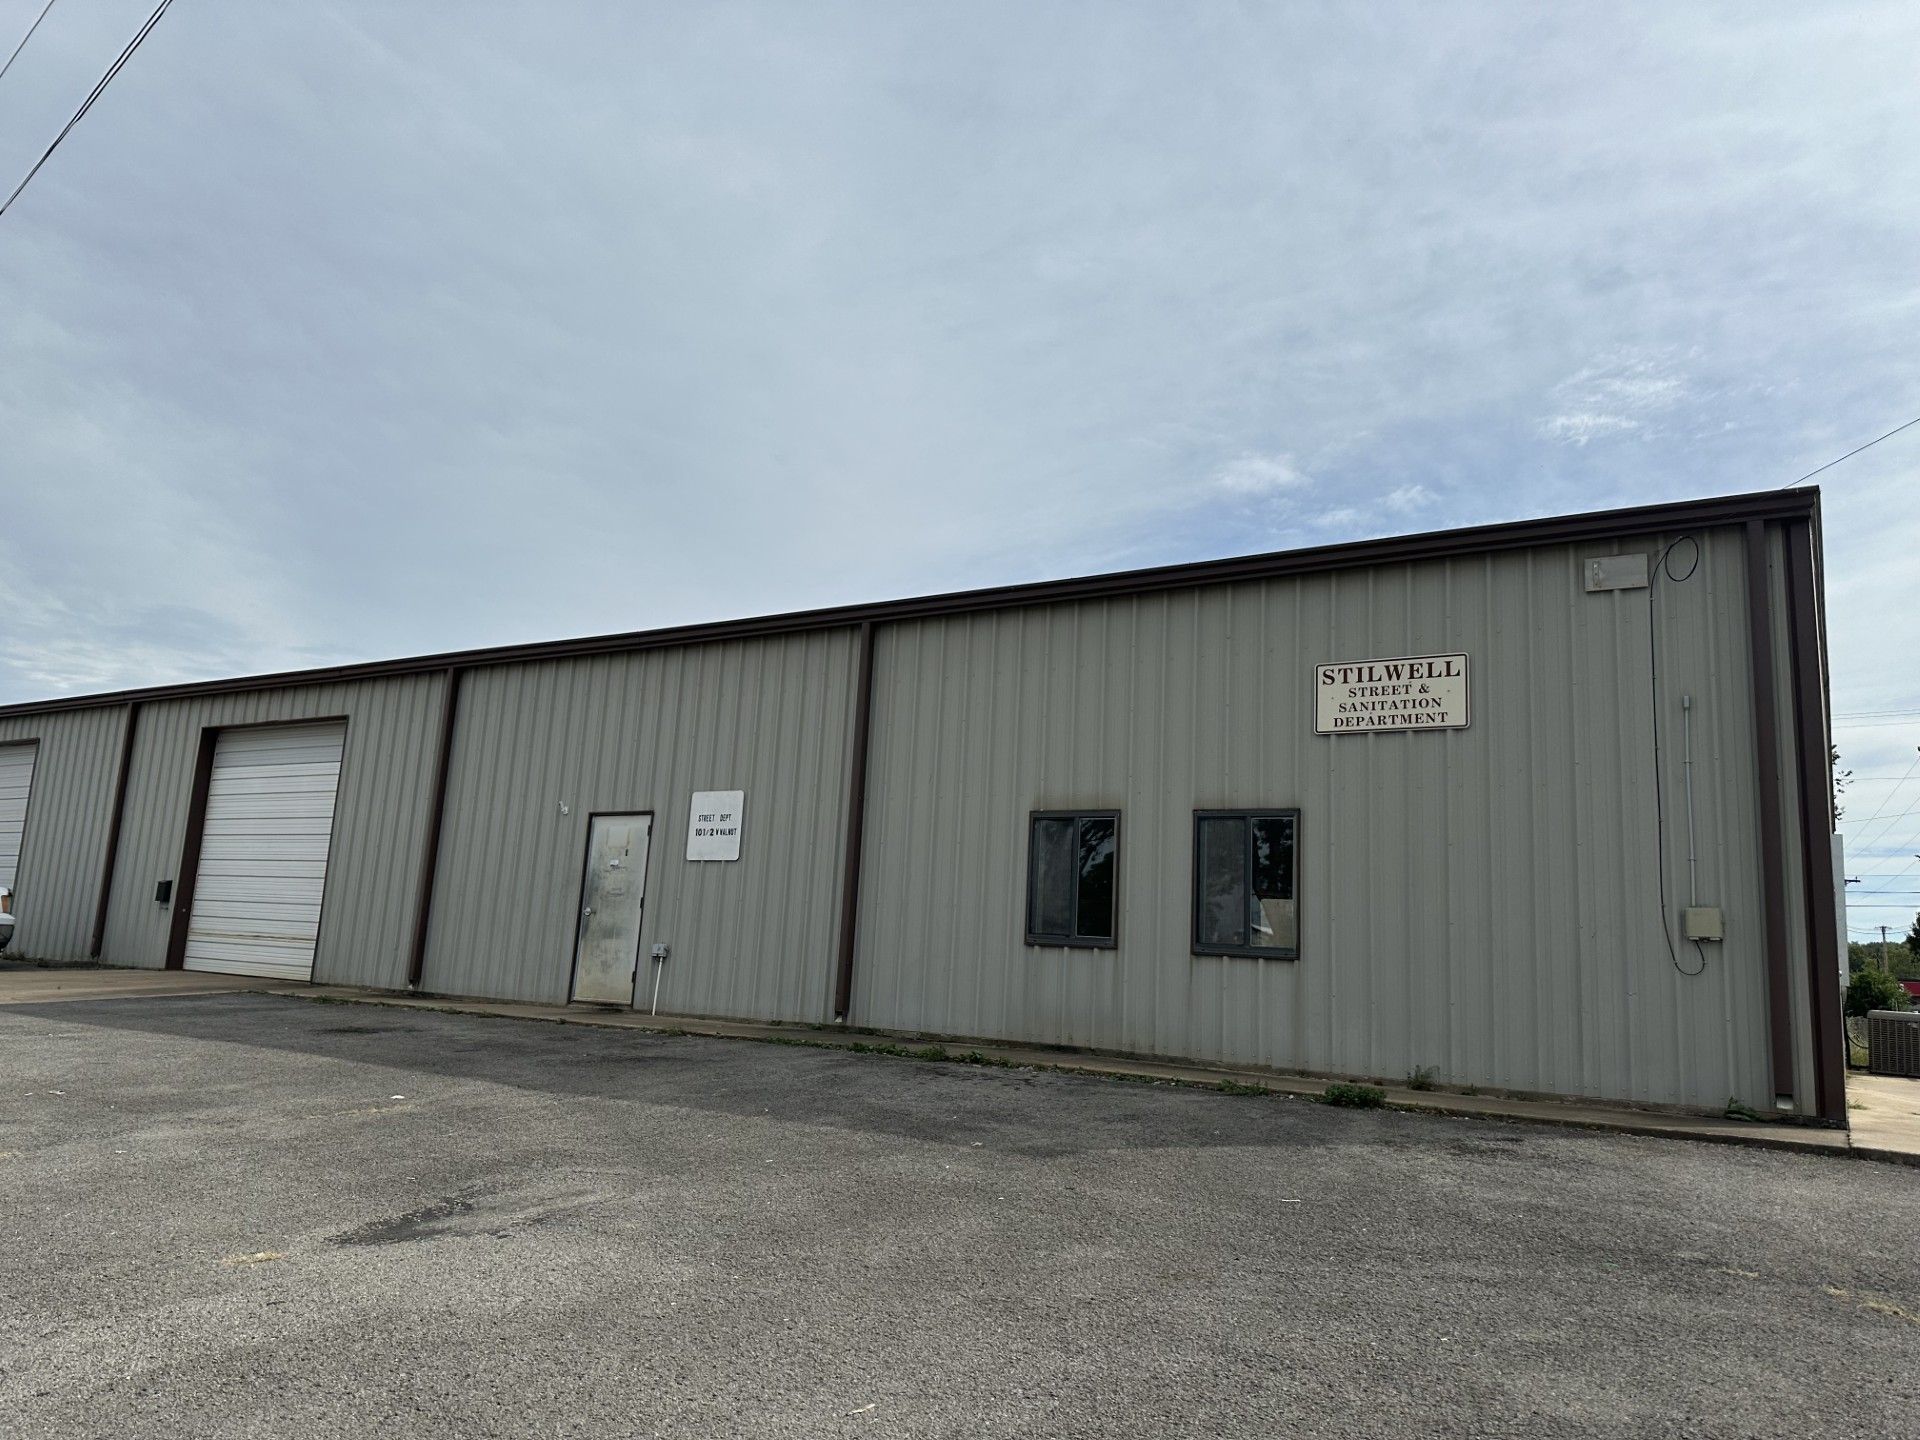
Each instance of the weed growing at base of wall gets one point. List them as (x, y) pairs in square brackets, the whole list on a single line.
[(1358, 1097), (1234, 1087)]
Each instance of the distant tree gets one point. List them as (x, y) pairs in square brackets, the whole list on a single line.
[(1875, 990), (1913, 937), (1898, 959)]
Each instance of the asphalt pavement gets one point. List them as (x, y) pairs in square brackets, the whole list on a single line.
[(256, 1215)]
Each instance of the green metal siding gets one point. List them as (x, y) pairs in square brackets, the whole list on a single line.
[(752, 937), (64, 845), (1483, 901), (378, 826)]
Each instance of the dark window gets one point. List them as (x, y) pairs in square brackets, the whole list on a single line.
[(1072, 859), (1244, 898)]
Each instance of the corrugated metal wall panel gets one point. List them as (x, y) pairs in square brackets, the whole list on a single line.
[(1484, 901), (752, 937), (386, 776), (63, 845)]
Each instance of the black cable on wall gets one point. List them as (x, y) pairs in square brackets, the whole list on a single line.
[(1663, 567)]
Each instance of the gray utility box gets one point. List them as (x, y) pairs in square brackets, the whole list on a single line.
[(1893, 1042)]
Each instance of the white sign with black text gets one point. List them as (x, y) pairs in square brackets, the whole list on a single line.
[(713, 826), (1409, 692)]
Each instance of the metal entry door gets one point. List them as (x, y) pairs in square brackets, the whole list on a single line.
[(611, 899)]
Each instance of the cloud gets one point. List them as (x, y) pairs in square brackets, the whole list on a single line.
[(1582, 427), (1409, 498), (1618, 396), (422, 331), (1260, 475)]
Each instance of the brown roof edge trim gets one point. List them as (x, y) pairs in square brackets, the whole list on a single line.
[(1395, 549)]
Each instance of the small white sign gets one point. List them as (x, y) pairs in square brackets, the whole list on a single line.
[(1409, 692), (713, 826)]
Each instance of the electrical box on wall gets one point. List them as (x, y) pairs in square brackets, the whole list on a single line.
[(1616, 572), (1703, 922)]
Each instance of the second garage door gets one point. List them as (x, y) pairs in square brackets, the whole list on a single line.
[(263, 852), (16, 782)]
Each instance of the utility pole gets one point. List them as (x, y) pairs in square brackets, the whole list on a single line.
[(1883, 951)]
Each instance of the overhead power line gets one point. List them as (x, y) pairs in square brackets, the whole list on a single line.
[(105, 80), (24, 38), (1859, 838), (1869, 819), (1851, 453), (1886, 832), (1896, 874)]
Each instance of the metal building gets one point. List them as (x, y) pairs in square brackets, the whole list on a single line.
[(1540, 807)]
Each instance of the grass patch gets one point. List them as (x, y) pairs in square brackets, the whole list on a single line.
[(938, 1054), (1420, 1078), (830, 1038), (1356, 1097)]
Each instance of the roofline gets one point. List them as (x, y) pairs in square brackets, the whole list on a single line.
[(1475, 539)]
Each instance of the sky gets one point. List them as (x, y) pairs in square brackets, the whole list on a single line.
[(342, 331)]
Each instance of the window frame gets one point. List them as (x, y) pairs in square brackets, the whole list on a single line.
[(1249, 815), (1073, 941)]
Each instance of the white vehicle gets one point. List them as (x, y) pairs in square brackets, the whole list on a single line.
[(6, 916)]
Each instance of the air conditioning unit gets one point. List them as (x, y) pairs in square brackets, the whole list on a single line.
[(1893, 1042)]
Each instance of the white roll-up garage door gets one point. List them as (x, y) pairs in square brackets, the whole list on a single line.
[(16, 782), (263, 851)]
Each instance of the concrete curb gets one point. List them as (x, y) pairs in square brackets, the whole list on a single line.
[(1708, 1130), (1885, 1156)]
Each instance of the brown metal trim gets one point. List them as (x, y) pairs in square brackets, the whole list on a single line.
[(1773, 876), (1816, 826), (112, 860), (856, 826), (1399, 549), (189, 872), (436, 818)]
